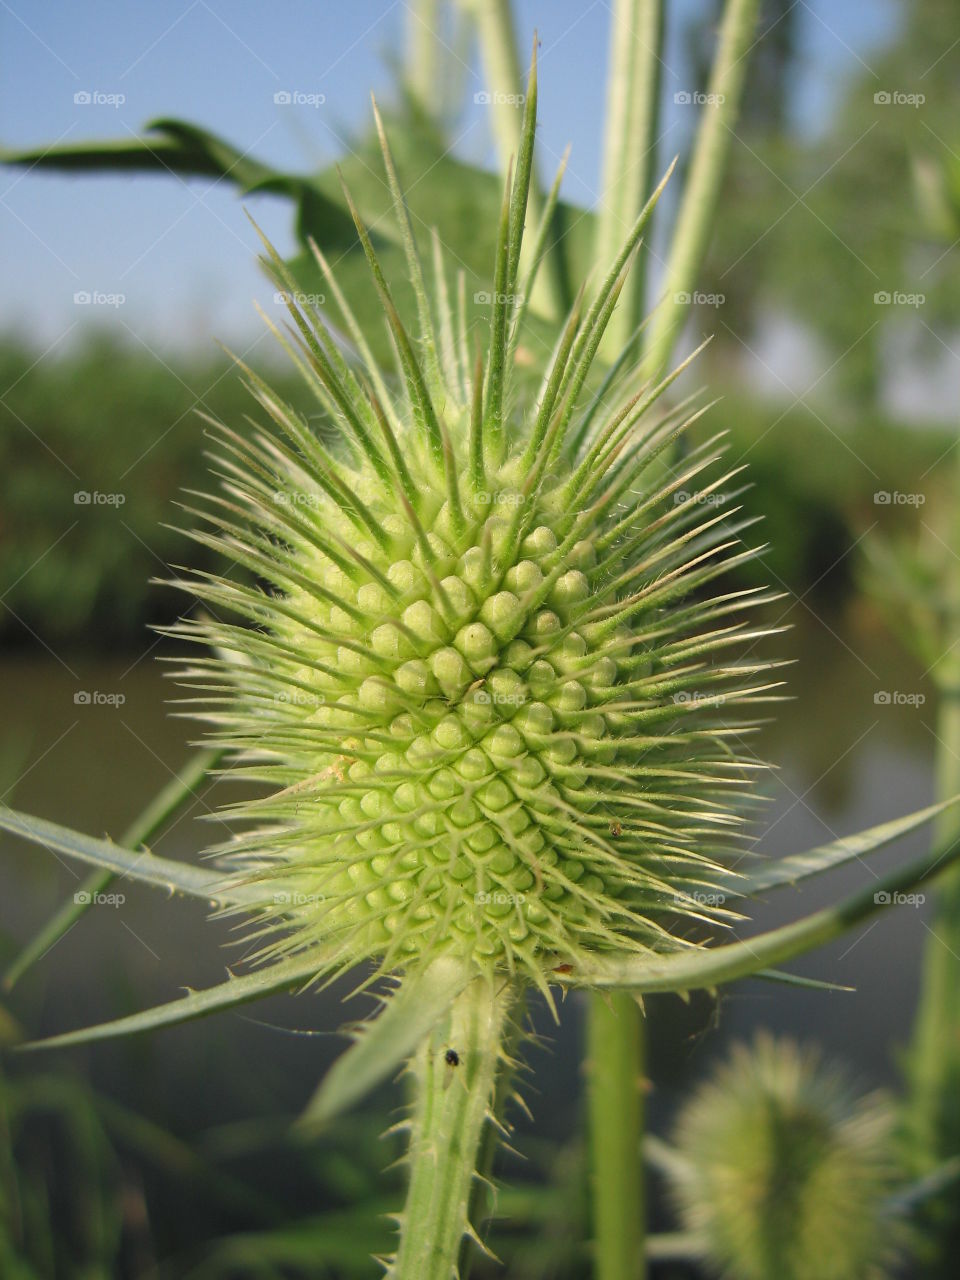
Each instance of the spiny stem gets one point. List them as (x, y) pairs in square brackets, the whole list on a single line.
[(453, 1105)]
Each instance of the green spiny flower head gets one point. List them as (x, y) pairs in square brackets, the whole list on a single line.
[(480, 682), (785, 1170)]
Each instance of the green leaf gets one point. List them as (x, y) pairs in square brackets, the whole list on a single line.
[(284, 976), (161, 808), (179, 147), (388, 1040), (708, 967), (162, 873), (772, 875), (797, 980), (461, 197)]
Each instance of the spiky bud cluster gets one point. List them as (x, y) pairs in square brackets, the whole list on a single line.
[(480, 682), (785, 1170)]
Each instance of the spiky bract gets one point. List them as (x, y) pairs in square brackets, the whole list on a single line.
[(786, 1170), (480, 681)]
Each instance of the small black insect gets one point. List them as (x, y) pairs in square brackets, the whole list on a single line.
[(452, 1059)]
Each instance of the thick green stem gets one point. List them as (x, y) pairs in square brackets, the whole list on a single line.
[(629, 149), (615, 1104), (615, 1028), (698, 207), (455, 1073), (424, 65), (933, 1110)]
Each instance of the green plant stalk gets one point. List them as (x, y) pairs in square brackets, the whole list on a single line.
[(158, 812), (423, 69), (615, 1032), (453, 1108), (632, 115), (629, 149), (698, 206), (504, 78), (933, 1110), (615, 1109)]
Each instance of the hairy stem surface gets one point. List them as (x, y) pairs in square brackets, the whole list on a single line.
[(455, 1074)]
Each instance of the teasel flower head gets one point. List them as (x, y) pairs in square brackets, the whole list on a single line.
[(481, 668), (785, 1170)]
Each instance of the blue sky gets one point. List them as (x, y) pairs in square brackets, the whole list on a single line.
[(182, 255)]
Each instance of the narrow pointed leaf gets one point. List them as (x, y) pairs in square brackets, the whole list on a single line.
[(708, 967), (160, 809), (798, 980), (176, 147), (285, 976), (800, 866), (388, 1040), (162, 873)]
